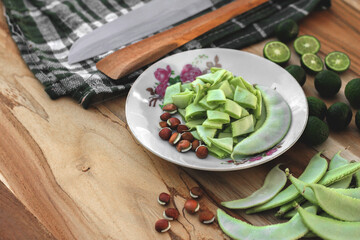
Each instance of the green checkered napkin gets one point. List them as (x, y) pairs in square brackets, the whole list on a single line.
[(44, 31)]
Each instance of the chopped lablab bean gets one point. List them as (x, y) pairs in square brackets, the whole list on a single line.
[(219, 102)]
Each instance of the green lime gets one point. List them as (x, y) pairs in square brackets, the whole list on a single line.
[(337, 61), (298, 73), (352, 92), (357, 119), (327, 83), (277, 52), (311, 63), (306, 44), (316, 131), (317, 107), (338, 116), (286, 30)]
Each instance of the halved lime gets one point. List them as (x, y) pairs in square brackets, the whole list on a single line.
[(312, 63), (337, 61), (276, 52), (306, 44)]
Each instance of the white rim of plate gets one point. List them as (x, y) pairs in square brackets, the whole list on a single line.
[(221, 168)]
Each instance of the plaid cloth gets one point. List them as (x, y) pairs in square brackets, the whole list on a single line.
[(44, 31)]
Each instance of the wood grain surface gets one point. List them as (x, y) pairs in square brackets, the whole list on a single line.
[(70, 173)]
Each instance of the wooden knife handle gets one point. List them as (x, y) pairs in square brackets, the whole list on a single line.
[(139, 54)]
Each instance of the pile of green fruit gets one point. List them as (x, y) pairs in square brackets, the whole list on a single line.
[(327, 82)]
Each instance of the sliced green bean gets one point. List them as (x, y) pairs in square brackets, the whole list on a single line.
[(338, 205), (336, 162), (237, 229), (275, 180), (328, 228), (312, 174)]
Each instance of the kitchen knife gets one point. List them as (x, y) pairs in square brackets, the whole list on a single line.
[(139, 54), (137, 24)]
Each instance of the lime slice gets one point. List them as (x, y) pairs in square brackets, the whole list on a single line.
[(312, 63), (337, 61), (277, 52), (306, 44)]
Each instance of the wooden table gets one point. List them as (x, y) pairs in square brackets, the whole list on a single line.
[(70, 173)]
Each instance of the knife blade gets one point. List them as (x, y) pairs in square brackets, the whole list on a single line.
[(148, 50), (141, 22)]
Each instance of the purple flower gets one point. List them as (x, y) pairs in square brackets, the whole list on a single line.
[(161, 88), (163, 75), (255, 158), (189, 73), (271, 151)]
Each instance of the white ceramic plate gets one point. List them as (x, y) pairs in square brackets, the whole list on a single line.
[(143, 110)]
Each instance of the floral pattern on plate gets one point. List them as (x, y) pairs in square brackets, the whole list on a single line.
[(166, 76)]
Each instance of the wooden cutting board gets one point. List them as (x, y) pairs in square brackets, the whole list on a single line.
[(70, 173)]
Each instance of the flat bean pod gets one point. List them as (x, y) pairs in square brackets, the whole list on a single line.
[(357, 178), (309, 195), (294, 211), (288, 206), (275, 180), (274, 128), (237, 229), (339, 173), (336, 161), (337, 205), (314, 171), (328, 228)]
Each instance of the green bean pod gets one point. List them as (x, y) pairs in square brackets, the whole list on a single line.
[(336, 161), (357, 178), (328, 228), (274, 128), (335, 204), (275, 180), (340, 173), (237, 229), (288, 206), (294, 211), (309, 195), (314, 171)]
